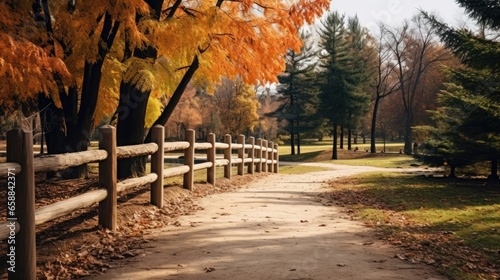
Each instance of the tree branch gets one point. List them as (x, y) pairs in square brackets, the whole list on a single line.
[(173, 9), (174, 100)]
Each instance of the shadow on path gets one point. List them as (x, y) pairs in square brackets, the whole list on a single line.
[(275, 228)]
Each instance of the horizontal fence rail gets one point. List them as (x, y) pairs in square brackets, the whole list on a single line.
[(258, 155), (64, 161)]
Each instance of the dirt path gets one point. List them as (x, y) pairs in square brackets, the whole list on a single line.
[(275, 228)]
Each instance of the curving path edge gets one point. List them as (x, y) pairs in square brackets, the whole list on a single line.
[(275, 228)]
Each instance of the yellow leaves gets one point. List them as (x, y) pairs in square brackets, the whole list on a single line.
[(147, 75), (246, 38), (247, 105), (241, 38), (237, 105), (143, 80), (153, 111), (109, 90), (139, 74), (165, 77)]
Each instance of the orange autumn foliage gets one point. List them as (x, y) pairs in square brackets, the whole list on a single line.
[(236, 38), (25, 67), (241, 38)]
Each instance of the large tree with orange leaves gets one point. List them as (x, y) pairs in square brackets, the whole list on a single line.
[(54, 52), (87, 59)]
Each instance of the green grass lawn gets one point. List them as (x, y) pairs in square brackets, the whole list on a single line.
[(387, 161), (322, 151), (285, 149), (452, 222)]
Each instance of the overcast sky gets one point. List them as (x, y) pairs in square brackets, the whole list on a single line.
[(393, 12)]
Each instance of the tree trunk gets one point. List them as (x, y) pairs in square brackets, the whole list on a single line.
[(408, 149), (373, 148), (335, 137), (130, 128), (452, 172), (298, 140), (76, 115), (52, 122), (349, 139), (493, 177), (132, 106), (62, 134), (298, 143), (341, 137), (132, 112), (77, 142), (292, 138)]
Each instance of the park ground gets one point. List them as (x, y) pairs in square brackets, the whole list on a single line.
[(276, 227), (315, 220)]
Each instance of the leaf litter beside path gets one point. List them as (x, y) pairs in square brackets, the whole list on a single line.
[(453, 225), (74, 246)]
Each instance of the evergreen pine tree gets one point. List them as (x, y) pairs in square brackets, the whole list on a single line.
[(359, 98), (334, 63), (298, 94), (470, 106), (343, 77)]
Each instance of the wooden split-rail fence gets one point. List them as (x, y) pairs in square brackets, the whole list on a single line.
[(21, 166)]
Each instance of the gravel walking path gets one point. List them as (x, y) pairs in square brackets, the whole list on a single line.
[(277, 227)]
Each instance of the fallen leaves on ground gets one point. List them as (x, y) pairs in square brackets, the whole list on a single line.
[(74, 246), (440, 249)]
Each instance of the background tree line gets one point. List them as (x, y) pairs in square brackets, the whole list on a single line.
[(431, 85)]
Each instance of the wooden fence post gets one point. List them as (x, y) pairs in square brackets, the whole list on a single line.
[(189, 160), (251, 154), (157, 165), (258, 167), (264, 156), (277, 158), (107, 178), (211, 158), (241, 153), (20, 150), (271, 156), (227, 156)]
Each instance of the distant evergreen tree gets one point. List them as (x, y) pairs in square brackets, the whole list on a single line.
[(299, 96), (343, 75), (469, 113), (307, 107), (362, 55), (445, 141), (334, 63)]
